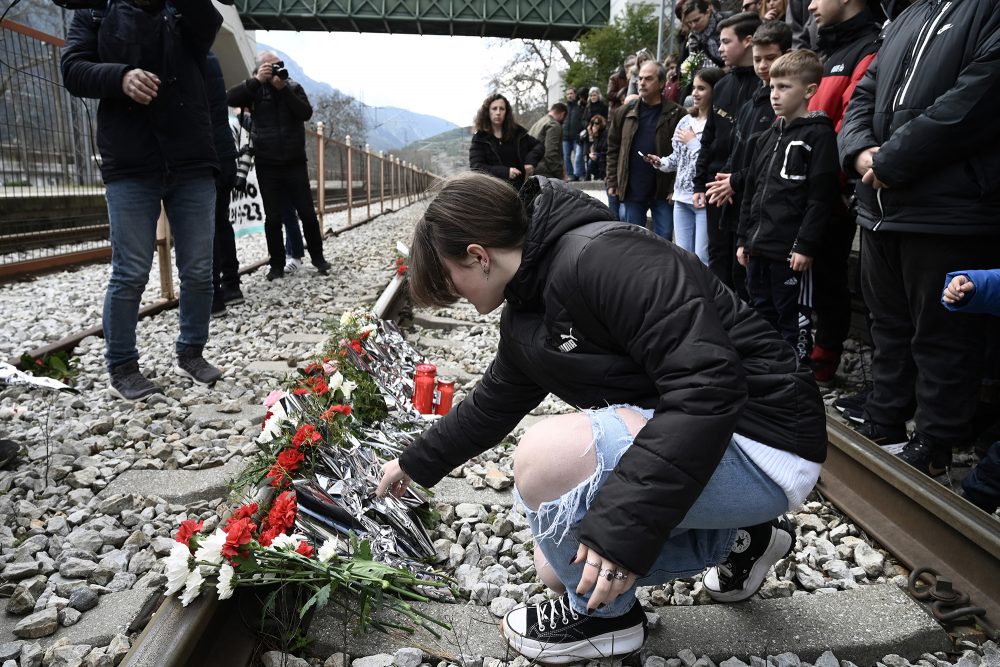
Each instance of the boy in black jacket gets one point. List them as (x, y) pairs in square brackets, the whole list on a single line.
[(787, 203)]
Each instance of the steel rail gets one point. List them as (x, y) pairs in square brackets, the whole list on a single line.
[(912, 516)]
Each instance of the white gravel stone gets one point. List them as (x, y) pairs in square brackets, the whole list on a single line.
[(279, 659)]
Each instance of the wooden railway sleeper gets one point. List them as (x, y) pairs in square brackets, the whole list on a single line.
[(947, 605)]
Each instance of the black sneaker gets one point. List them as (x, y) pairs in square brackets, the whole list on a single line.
[(218, 305), (274, 274), (233, 295), (852, 406), (193, 365), (890, 438), (755, 551), (9, 451), (128, 384), (552, 632), (925, 456), (323, 267)]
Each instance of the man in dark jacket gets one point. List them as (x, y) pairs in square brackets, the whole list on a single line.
[(572, 149), (280, 107), (736, 33), (644, 126), (920, 132), (225, 264), (848, 40), (154, 133)]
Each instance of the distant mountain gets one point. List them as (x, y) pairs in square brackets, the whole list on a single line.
[(444, 154), (389, 128)]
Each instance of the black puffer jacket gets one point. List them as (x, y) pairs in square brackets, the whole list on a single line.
[(484, 154), (277, 133), (173, 133), (755, 117), (929, 100), (792, 188), (653, 327), (729, 94)]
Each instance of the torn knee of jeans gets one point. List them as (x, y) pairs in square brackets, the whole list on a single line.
[(556, 518)]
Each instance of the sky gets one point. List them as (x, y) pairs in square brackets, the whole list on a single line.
[(440, 76)]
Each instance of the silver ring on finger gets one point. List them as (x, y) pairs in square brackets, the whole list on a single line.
[(593, 563), (607, 574), (620, 575)]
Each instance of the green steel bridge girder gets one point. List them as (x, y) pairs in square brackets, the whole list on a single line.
[(529, 19)]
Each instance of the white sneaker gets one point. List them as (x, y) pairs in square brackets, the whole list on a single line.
[(292, 264)]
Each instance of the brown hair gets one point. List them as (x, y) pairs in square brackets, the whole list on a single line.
[(801, 63), (468, 208), (778, 33), (482, 122)]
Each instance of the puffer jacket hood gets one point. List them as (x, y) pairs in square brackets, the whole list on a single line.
[(553, 210)]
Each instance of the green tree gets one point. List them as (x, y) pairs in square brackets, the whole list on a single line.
[(604, 49)]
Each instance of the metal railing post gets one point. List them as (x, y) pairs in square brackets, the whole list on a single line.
[(163, 255), (381, 181), (368, 179), (320, 174), (392, 182), (350, 182)]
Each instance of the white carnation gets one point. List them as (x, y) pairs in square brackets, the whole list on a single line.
[(177, 566), (225, 585)]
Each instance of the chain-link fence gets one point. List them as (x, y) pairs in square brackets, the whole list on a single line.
[(51, 195)]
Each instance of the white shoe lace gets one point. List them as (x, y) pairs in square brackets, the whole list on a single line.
[(549, 606)]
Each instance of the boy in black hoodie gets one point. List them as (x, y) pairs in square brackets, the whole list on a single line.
[(788, 200)]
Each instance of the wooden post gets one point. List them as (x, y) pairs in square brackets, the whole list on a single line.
[(368, 179), (320, 175), (381, 181), (163, 255), (350, 182), (392, 182)]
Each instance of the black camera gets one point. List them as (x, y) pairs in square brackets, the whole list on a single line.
[(244, 162), (279, 70)]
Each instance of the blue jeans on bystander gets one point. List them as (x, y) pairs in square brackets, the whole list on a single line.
[(661, 210), (133, 210), (691, 229)]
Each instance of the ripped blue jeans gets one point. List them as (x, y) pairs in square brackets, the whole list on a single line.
[(702, 539)]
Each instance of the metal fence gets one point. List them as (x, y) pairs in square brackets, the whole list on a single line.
[(51, 195)]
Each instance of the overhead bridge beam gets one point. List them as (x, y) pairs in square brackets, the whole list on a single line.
[(531, 19)]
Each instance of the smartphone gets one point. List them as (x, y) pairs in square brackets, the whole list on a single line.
[(641, 154)]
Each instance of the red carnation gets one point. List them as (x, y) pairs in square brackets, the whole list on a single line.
[(307, 434), (301, 391), (356, 346), (282, 514), (314, 367), (238, 534), (268, 536), (305, 549), (335, 410), (187, 529), (242, 512)]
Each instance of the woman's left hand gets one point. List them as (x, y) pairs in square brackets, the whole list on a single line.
[(607, 579)]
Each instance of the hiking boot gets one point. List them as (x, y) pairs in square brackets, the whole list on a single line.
[(232, 295), (852, 406), (192, 364), (218, 305), (927, 457), (755, 551), (9, 451), (890, 438), (552, 632), (824, 362), (293, 264), (323, 267), (274, 274), (128, 384)]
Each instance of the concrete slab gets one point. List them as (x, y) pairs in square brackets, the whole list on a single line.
[(271, 367), (303, 338), (862, 626), (210, 413), (112, 615), (435, 322), (454, 491), (175, 486)]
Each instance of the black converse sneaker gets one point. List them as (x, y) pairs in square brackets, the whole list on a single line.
[(756, 549), (552, 632)]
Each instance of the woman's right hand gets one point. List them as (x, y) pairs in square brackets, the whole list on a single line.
[(393, 480), (742, 256), (514, 173), (685, 135), (698, 200), (652, 160)]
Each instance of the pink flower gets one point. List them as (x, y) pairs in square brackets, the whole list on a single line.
[(272, 398)]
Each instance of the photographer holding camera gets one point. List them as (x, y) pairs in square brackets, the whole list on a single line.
[(280, 107)]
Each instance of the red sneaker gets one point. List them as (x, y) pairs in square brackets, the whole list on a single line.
[(824, 362)]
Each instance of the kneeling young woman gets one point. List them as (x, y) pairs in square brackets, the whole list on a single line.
[(698, 428)]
